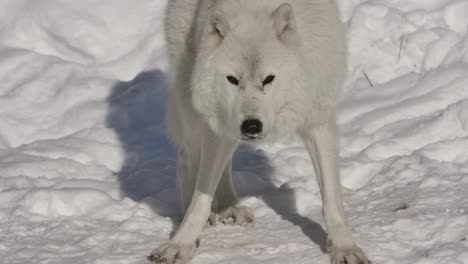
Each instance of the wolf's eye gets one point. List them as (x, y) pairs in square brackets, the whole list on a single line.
[(269, 79), (233, 80)]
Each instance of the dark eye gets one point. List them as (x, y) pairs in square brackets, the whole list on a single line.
[(269, 79), (233, 80)]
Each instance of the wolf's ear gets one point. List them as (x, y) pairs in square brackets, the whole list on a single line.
[(284, 24), (218, 25)]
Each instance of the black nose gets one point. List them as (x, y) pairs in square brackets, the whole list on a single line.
[(251, 127)]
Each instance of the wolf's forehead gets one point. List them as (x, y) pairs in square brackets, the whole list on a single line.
[(251, 60), (245, 17), (256, 7)]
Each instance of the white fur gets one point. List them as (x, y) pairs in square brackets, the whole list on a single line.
[(301, 43)]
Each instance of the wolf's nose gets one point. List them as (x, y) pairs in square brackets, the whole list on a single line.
[(251, 127)]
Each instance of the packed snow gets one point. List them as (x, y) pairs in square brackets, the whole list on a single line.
[(87, 174)]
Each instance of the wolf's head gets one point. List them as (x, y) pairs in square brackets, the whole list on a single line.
[(248, 71)]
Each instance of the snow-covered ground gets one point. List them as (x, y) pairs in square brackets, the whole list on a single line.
[(88, 176)]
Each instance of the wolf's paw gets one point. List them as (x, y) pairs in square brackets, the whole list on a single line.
[(173, 254), (233, 215), (353, 255)]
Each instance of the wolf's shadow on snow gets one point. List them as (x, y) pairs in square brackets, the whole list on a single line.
[(136, 113)]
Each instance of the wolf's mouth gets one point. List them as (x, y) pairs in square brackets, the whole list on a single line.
[(252, 138)]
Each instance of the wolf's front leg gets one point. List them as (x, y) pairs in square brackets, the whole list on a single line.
[(214, 156), (322, 144)]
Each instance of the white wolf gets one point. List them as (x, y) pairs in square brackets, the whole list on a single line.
[(252, 71)]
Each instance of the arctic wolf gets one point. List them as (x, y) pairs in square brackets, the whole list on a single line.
[(251, 71)]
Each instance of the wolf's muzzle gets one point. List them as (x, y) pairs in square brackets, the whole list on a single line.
[(251, 127)]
